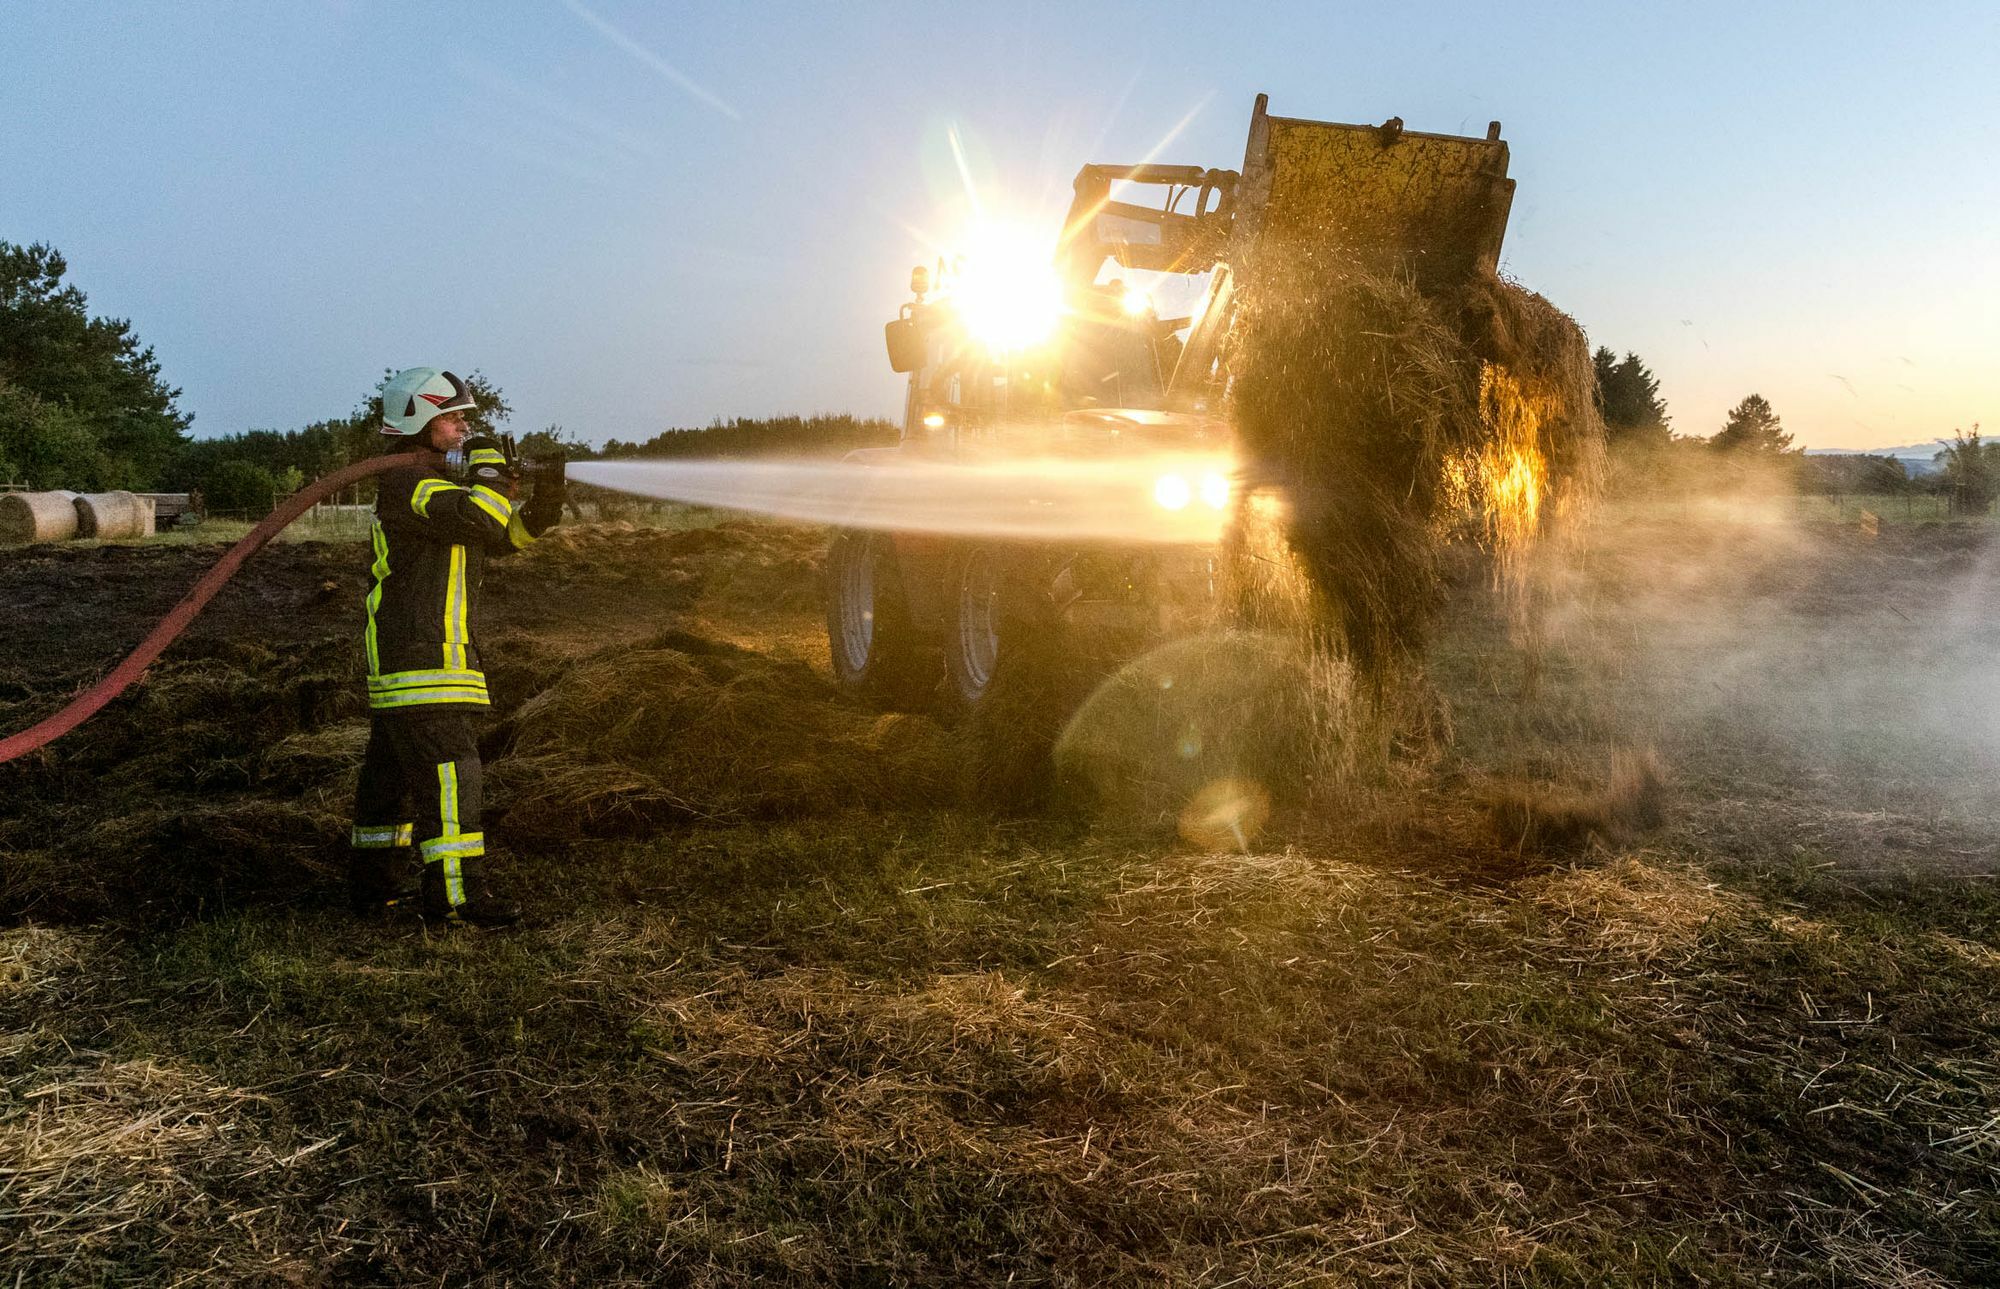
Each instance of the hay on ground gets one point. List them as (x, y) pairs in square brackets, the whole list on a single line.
[(100, 1154), (681, 729), (1533, 819), (1225, 709), (1633, 910)]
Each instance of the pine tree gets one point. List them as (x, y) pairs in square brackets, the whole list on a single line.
[(90, 374), (1752, 427), (1628, 397)]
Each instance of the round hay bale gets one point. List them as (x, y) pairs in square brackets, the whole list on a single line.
[(113, 514), (37, 517)]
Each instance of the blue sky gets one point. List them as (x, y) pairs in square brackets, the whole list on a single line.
[(633, 216)]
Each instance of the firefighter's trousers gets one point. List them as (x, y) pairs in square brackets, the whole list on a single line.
[(420, 784)]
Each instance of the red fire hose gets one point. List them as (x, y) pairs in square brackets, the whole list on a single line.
[(90, 701)]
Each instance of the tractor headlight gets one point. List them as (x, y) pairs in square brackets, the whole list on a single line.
[(1007, 290), (1180, 489)]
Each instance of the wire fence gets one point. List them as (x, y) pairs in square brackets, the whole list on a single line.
[(1908, 508)]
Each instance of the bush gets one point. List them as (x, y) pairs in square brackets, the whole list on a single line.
[(238, 486), (45, 445)]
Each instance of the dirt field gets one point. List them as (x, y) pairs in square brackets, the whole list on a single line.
[(796, 1013)]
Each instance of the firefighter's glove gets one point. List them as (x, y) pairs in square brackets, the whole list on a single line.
[(487, 464), (545, 505)]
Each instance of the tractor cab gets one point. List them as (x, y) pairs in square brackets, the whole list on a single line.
[(998, 353)]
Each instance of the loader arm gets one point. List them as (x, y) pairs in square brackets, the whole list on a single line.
[(1162, 238)]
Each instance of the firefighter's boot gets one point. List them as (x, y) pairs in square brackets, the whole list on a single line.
[(456, 891), (378, 879)]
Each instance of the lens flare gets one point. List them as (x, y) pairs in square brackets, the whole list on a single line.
[(1136, 302), (1172, 492), (1006, 289), (1215, 490), (1226, 815)]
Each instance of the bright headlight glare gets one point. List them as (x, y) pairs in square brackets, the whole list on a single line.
[(1136, 302), (1215, 490), (934, 421), (1007, 290), (1172, 492)]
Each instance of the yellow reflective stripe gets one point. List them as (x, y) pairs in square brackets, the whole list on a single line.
[(517, 533), (418, 697), (455, 633), (464, 600), (430, 694), (487, 456), (420, 500), (493, 503), (452, 846), (469, 845), (448, 797), (437, 694), (374, 838), (421, 679), (405, 834), (381, 571)]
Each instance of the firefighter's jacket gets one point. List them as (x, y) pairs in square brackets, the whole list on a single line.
[(432, 539)]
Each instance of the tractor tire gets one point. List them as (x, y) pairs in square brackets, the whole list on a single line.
[(975, 624), (875, 649), (1017, 673)]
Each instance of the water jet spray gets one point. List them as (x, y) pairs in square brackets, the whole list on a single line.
[(1165, 499)]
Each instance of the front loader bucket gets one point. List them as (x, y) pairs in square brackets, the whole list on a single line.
[(1434, 205), (1386, 199)]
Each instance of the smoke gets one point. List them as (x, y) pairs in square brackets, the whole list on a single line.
[(1838, 682)]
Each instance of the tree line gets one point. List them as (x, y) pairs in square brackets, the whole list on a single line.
[(84, 406), (1752, 439)]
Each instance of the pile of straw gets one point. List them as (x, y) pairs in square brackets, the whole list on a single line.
[(681, 729), (1380, 425), (1352, 400)]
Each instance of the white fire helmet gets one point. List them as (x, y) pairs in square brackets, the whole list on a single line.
[(413, 397)]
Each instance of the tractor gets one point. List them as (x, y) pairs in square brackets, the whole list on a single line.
[(1083, 366)]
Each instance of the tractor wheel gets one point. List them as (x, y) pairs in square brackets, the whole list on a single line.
[(976, 625), (868, 631)]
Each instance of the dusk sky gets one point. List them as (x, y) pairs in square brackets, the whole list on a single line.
[(637, 216)]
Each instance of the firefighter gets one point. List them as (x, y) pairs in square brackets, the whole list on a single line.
[(420, 777)]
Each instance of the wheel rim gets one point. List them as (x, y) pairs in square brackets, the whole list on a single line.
[(857, 607), (978, 623)]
